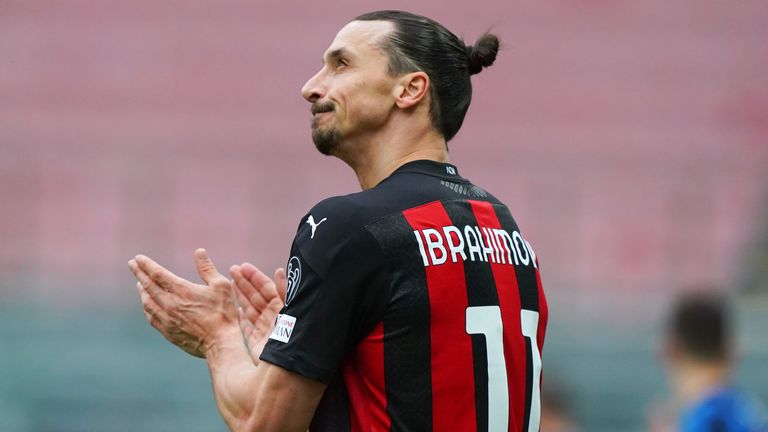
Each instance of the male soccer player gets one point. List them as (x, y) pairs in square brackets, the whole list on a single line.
[(413, 305)]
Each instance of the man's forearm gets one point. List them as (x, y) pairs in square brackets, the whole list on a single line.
[(234, 377), (259, 398)]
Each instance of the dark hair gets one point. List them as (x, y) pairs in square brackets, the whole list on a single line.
[(422, 44), (699, 323)]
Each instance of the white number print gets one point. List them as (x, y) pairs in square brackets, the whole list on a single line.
[(486, 320), (529, 321)]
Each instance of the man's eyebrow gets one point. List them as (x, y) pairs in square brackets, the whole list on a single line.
[(338, 52)]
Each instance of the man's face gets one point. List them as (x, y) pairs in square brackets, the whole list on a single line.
[(352, 95)]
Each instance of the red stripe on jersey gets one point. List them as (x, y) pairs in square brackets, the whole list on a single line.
[(453, 387), (509, 301), (363, 375)]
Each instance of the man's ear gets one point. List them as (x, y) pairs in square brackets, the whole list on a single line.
[(411, 89)]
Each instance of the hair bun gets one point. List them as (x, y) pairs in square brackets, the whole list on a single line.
[(482, 53)]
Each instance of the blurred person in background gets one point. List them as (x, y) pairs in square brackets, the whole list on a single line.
[(699, 356), (556, 407), (415, 304)]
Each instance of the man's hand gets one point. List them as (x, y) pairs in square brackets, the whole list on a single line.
[(203, 321), (193, 317), (260, 299)]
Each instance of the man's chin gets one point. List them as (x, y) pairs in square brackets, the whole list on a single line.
[(326, 140)]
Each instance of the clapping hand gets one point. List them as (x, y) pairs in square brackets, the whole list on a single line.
[(260, 299), (192, 316)]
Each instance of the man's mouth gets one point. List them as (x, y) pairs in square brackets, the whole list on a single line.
[(321, 108)]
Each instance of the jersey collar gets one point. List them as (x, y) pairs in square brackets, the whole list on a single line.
[(430, 167)]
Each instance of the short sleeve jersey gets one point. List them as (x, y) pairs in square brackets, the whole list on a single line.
[(419, 303)]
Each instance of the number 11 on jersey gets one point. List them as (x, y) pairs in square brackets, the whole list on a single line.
[(486, 320)]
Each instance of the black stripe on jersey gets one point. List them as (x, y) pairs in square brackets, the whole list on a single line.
[(407, 366), (481, 291), (528, 382), (526, 274)]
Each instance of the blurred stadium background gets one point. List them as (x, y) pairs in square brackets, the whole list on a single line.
[(630, 139)]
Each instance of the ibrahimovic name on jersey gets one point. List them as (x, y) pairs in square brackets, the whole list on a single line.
[(472, 242), (420, 303)]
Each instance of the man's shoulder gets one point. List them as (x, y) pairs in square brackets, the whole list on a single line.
[(339, 206), (330, 225), (345, 215), (336, 218)]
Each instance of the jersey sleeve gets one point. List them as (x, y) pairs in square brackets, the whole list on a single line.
[(337, 292)]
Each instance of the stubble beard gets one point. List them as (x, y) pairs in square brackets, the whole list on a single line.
[(326, 140)]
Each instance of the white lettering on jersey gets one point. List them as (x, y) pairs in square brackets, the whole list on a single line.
[(487, 250), (458, 247), (520, 246), (490, 238), (533, 255), (436, 244), (503, 238), (421, 248), (283, 328), (473, 243)]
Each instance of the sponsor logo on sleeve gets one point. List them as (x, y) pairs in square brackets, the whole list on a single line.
[(293, 273), (283, 328)]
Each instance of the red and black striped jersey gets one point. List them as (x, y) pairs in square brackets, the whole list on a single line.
[(421, 306)]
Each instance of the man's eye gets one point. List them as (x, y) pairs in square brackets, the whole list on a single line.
[(341, 63)]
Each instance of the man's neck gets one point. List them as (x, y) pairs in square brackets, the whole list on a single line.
[(372, 176), (384, 156), (697, 380)]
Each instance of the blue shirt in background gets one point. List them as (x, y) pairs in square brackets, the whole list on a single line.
[(726, 410)]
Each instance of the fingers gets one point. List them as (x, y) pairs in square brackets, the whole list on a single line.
[(260, 281), (152, 310), (281, 281), (159, 274), (207, 270), (247, 309), (152, 295), (147, 285), (255, 286)]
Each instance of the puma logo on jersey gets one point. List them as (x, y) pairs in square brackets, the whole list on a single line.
[(311, 222)]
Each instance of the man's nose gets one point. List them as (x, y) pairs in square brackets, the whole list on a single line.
[(313, 89)]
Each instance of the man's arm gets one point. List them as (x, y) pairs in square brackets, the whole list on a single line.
[(203, 320), (259, 398)]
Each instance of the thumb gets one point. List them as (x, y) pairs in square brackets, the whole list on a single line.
[(207, 270), (281, 282)]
